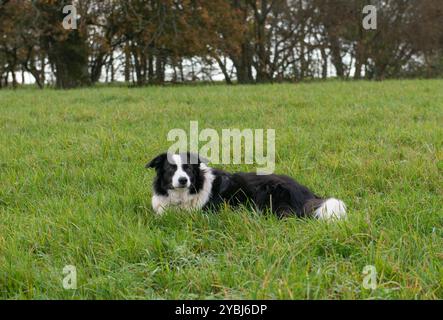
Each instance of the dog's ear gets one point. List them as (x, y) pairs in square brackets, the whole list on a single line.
[(157, 162), (202, 160)]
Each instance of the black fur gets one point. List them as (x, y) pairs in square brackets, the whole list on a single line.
[(279, 194)]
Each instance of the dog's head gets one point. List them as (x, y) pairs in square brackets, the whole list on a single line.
[(177, 172)]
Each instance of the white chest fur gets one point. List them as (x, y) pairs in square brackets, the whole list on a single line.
[(183, 199)]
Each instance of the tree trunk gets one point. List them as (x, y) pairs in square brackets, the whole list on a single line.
[(358, 66), (336, 57), (262, 72), (224, 70), (150, 67), (182, 74), (160, 68), (14, 79), (70, 58), (243, 65), (324, 71), (127, 71), (111, 64)]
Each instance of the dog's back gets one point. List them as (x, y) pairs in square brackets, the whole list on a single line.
[(277, 193)]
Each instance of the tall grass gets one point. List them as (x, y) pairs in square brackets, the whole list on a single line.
[(74, 191)]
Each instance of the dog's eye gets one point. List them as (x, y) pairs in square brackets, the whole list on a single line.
[(171, 167)]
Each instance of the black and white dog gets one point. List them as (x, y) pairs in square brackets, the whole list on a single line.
[(185, 181)]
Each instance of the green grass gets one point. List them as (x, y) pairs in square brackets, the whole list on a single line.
[(74, 191)]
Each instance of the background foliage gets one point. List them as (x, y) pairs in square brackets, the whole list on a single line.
[(247, 41)]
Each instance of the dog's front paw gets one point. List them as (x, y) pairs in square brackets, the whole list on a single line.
[(158, 204)]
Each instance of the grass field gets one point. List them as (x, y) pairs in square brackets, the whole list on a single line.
[(74, 191)]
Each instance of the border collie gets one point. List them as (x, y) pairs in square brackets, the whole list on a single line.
[(185, 181)]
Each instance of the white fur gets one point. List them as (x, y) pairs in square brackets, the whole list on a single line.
[(179, 173), (182, 198), (331, 209)]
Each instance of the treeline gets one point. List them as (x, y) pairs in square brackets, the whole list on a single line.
[(247, 41)]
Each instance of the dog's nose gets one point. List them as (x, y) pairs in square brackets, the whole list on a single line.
[(183, 181)]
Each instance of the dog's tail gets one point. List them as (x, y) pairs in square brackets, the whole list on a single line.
[(325, 209)]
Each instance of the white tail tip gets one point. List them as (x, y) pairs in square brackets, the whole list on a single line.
[(331, 209)]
